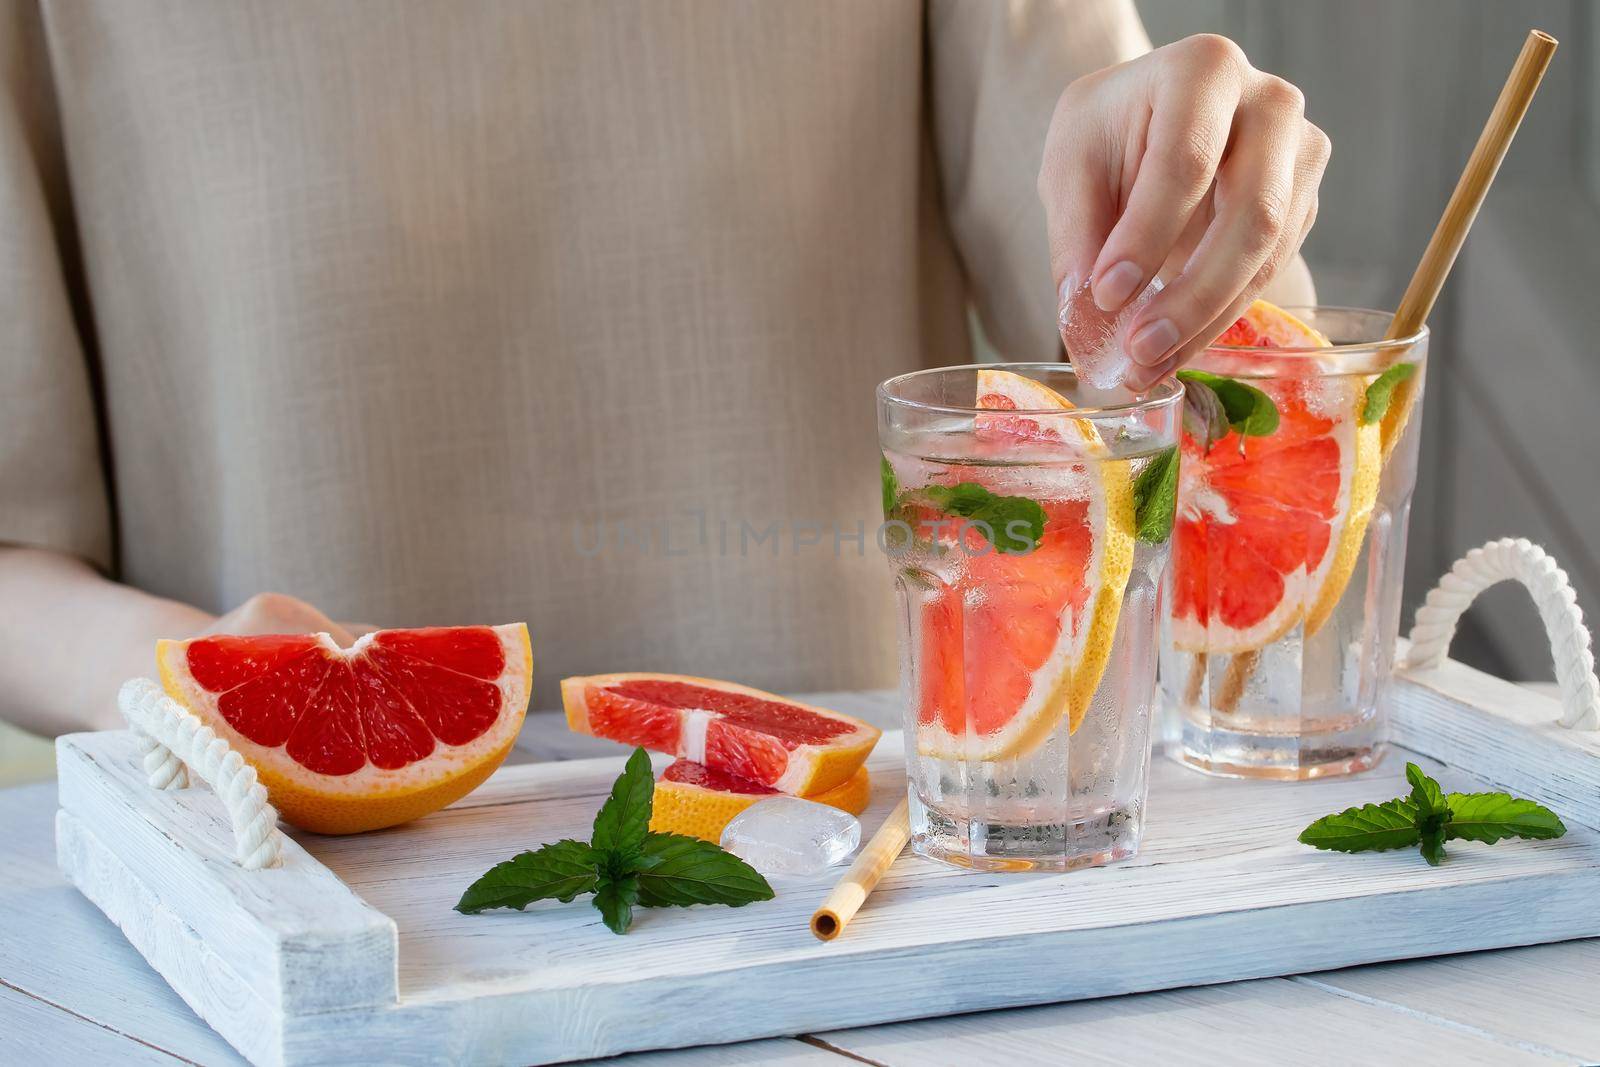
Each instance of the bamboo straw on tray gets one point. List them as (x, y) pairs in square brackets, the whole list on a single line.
[(863, 875), (1440, 255)]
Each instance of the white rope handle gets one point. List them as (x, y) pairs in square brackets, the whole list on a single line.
[(172, 739), (1547, 583)]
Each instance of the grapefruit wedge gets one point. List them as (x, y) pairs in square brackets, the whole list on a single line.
[(693, 799), (1020, 642), (1269, 529), (732, 729), (345, 740)]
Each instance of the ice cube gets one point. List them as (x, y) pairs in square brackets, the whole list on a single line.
[(789, 836), (1094, 338)]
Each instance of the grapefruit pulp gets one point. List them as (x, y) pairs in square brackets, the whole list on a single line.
[(1016, 642), (693, 799), (729, 728), (345, 740), (1269, 529)]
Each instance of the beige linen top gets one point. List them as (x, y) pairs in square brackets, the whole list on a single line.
[(401, 307)]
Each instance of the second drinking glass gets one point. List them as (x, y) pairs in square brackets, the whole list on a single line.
[(1290, 543)]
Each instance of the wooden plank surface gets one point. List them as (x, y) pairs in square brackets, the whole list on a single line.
[(1221, 891), (102, 978), (1507, 734), (33, 1032), (248, 950), (57, 947), (1213, 848), (1278, 1021), (1541, 996)]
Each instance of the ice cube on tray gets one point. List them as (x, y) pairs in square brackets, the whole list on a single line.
[(790, 836)]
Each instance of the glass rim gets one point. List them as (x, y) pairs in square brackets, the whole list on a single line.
[(1164, 393), (1378, 344)]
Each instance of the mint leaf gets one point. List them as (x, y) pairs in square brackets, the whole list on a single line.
[(1429, 817), (1249, 411), (555, 872), (1369, 828), (624, 866), (1426, 796), (1381, 391), (1427, 799), (615, 898), (1431, 838), (1013, 524), (1204, 417), (624, 818), (891, 485), (1491, 817), (687, 870), (1155, 497)]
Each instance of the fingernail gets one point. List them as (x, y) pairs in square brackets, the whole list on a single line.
[(1069, 285), (1152, 341), (1116, 286)]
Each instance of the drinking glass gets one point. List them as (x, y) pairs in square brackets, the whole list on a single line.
[(1287, 556), (1023, 520)]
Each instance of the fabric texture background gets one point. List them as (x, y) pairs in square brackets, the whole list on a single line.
[(396, 306)]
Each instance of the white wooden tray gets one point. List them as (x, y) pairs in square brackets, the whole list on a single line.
[(351, 952)]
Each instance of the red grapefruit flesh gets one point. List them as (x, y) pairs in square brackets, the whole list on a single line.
[(1016, 643), (1268, 528), (732, 729), (345, 740)]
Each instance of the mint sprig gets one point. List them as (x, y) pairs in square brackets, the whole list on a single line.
[(1429, 817), (1245, 409), (1012, 524), (891, 486), (1155, 497), (1381, 391), (625, 864)]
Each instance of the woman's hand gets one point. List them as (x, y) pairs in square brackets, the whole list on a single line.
[(1188, 163), (279, 613)]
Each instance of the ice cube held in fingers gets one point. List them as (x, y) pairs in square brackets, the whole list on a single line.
[(1094, 339)]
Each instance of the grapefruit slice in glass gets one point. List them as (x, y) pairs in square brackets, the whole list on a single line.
[(1269, 529), (345, 740), (732, 729), (691, 798), (1020, 641)]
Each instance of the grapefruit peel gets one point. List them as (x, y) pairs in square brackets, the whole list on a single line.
[(690, 799)]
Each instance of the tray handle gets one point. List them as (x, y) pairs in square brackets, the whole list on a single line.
[(1520, 559), (175, 743)]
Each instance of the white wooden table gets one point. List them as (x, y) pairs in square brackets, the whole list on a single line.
[(72, 991)]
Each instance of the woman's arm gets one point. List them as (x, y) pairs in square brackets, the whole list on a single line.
[(70, 637)]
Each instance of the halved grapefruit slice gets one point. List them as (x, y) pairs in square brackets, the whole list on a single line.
[(1269, 528), (345, 740), (1020, 641), (693, 799), (734, 729)]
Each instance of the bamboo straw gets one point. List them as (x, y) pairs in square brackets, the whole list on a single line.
[(862, 877), (1473, 184), (1440, 255)]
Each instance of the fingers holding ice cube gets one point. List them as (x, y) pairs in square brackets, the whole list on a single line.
[(1096, 340)]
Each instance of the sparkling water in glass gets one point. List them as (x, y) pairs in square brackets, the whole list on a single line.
[(1028, 536)]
